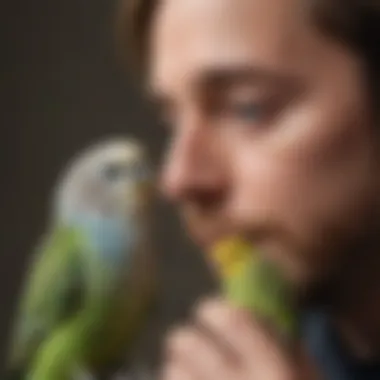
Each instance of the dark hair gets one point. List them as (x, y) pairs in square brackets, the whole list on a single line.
[(355, 23), (132, 32)]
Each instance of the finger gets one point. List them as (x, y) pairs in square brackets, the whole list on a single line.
[(193, 350), (173, 371)]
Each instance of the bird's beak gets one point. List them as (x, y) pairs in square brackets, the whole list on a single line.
[(145, 190)]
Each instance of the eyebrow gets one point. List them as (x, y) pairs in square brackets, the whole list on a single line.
[(243, 74), (222, 77)]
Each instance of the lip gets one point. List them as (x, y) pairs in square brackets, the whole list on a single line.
[(206, 235), (206, 240)]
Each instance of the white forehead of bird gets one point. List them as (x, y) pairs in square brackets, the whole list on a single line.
[(85, 166)]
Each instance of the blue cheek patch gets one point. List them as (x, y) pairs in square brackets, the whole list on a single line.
[(112, 239)]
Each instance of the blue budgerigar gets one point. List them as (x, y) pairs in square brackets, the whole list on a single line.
[(91, 283)]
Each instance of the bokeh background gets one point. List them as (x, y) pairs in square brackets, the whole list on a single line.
[(61, 89)]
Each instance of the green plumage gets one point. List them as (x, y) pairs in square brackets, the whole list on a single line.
[(83, 324), (90, 287), (252, 283), (52, 293)]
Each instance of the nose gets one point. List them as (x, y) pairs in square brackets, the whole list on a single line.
[(195, 167)]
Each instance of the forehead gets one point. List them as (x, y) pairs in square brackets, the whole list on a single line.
[(193, 36)]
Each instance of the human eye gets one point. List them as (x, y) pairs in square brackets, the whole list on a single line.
[(244, 104), (246, 111)]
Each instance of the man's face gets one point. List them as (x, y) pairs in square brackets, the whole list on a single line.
[(270, 135)]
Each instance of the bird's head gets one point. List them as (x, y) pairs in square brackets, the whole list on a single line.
[(112, 180)]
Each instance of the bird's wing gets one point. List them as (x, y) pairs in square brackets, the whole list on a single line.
[(52, 293)]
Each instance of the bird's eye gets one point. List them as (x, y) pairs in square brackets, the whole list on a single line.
[(113, 172), (118, 172)]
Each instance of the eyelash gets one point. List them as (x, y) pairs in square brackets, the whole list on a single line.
[(246, 111)]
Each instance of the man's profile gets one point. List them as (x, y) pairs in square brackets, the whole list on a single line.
[(273, 112)]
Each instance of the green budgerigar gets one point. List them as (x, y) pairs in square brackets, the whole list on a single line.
[(91, 285), (255, 284)]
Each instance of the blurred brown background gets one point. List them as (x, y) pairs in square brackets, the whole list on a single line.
[(61, 89)]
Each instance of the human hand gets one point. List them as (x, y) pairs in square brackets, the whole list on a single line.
[(225, 343)]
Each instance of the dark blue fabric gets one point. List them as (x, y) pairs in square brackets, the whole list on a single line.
[(333, 360)]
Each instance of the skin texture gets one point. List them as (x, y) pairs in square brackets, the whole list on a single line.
[(270, 136)]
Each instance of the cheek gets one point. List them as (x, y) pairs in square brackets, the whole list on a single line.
[(263, 184), (311, 174)]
